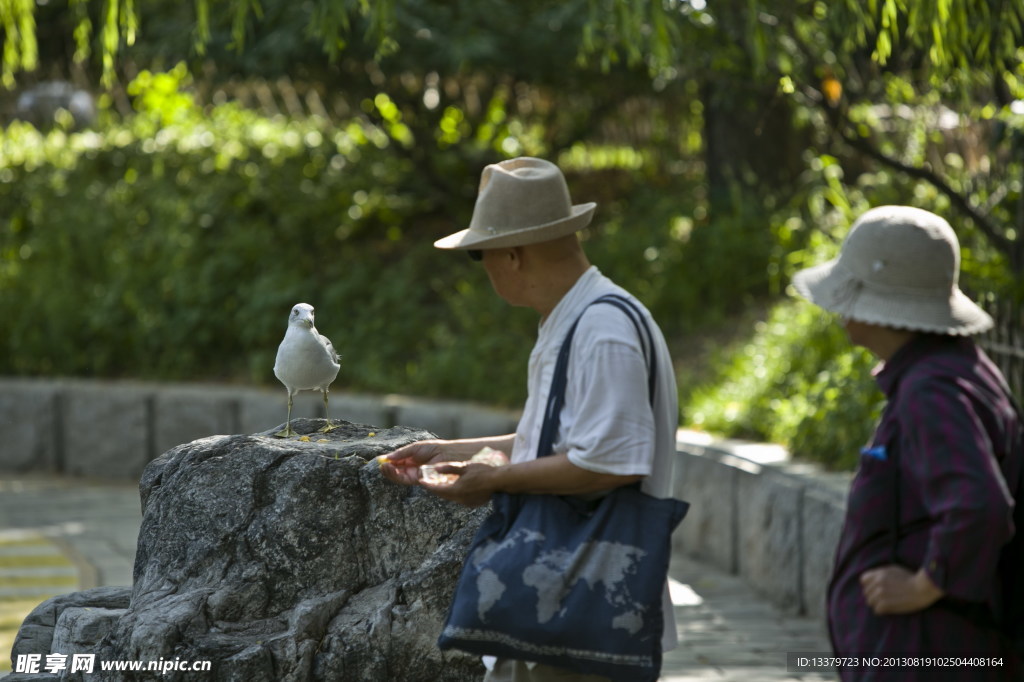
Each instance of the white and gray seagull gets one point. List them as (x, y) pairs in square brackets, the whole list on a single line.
[(306, 361)]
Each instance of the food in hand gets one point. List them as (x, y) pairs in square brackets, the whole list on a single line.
[(429, 473), (490, 457)]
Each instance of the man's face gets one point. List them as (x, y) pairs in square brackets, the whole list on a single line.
[(502, 266)]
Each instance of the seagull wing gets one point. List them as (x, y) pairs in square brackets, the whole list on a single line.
[(330, 348)]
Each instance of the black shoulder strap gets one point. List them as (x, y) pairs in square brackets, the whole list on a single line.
[(556, 396)]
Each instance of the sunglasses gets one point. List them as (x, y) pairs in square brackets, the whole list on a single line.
[(475, 255)]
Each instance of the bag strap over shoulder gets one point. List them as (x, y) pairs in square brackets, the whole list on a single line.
[(556, 396)]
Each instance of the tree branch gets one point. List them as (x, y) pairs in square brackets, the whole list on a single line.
[(958, 200), (1012, 250)]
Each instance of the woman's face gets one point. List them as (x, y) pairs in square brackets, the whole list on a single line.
[(880, 340), (860, 333)]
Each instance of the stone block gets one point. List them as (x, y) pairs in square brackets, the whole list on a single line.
[(259, 409), (185, 413), (29, 437), (107, 429), (708, 532), (264, 410), (362, 409), (822, 521), (768, 519), (475, 422), (438, 417)]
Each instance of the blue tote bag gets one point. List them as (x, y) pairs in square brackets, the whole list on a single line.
[(567, 582)]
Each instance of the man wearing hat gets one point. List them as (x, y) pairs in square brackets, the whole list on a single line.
[(928, 560), (611, 432)]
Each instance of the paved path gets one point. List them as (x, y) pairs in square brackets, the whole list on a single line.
[(727, 633), (57, 528)]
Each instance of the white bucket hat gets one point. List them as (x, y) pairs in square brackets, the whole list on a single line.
[(898, 267), (521, 201)]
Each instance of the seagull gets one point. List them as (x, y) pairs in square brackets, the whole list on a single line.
[(306, 361)]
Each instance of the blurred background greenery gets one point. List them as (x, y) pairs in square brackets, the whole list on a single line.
[(246, 156)]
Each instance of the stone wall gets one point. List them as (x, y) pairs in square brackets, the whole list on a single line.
[(753, 512), (121, 426), (756, 514)]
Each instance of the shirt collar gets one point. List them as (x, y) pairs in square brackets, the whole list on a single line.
[(889, 373), (567, 310)]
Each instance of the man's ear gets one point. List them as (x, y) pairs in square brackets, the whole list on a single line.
[(515, 255)]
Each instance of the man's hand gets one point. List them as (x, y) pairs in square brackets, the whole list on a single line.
[(403, 465), (892, 589), (473, 487)]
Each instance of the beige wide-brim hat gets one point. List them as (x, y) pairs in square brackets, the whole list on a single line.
[(898, 267), (521, 201)]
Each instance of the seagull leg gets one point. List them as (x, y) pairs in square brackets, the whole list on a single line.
[(328, 427), (288, 424)]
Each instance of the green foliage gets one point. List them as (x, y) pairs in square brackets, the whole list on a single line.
[(797, 382), (951, 34), (173, 246), (727, 145), (690, 271), (20, 51)]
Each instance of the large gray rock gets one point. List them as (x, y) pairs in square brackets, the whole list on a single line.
[(280, 560), (61, 625)]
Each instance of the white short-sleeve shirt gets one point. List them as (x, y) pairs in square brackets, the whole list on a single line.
[(607, 424)]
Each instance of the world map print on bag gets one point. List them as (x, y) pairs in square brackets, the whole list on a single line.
[(602, 564)]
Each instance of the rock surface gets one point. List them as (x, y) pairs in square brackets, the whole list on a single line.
[(68, 623), (278, 560)]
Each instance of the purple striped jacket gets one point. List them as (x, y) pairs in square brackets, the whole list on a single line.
[(954, 435)]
